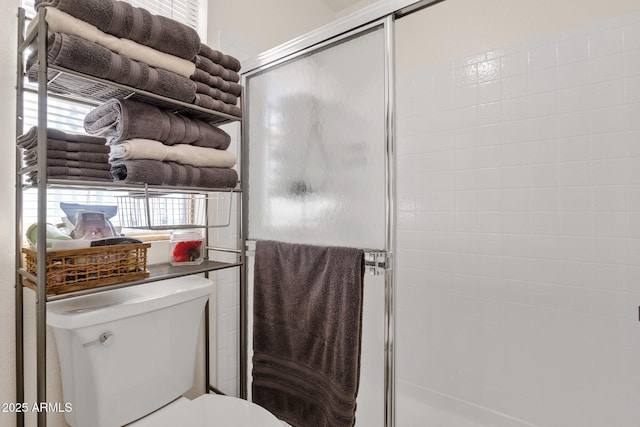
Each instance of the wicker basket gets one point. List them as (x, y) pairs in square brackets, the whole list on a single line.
[(77, 269)]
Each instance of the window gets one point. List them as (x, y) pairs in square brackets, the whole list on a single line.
[(69, 116)]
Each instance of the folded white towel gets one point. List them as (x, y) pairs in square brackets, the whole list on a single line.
[(138, 149), (61, 22)]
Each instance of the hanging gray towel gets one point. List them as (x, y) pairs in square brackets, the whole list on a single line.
[(307, 332)]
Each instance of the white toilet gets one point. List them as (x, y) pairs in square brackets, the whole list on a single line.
[(128, 355)]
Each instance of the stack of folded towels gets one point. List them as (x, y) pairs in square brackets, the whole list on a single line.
[(216, 77), (150, 145), (69, 156), (115, 41)]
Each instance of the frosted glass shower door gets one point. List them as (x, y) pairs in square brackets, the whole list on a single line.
[(316, 172), (316, 146)]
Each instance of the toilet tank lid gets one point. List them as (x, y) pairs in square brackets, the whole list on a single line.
[(103, 307)]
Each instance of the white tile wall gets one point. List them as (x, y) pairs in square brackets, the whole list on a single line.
[(227, 301), (519, 233), (227, 304)]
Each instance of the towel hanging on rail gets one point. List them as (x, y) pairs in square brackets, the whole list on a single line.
[(307, 332)]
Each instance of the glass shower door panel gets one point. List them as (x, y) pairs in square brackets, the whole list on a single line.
[(316, 146)]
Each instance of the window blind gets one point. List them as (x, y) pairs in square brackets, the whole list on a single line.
[(185, 11)]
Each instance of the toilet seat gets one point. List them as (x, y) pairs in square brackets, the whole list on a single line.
[(210, 410)]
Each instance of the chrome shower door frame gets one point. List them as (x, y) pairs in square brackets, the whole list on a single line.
[(279, 57)]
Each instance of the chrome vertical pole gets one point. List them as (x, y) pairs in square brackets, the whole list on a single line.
[(19, 290), (207, 351), (390, 128), (41, 296), (207, 316), (242, 241)]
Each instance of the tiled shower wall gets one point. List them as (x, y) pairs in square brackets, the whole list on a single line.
[(519, 234)]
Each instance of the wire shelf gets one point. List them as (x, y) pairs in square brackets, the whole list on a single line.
[(162, 211), (69, 84)]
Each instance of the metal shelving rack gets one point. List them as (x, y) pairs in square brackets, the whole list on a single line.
[(55, 82)]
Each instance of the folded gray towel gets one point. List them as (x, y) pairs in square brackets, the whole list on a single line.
[(133, 23), (88, 172), (105, 166), (60, 140), (214, 69), (80, 149), (80, 156), (121, 119), (216, 82), (63, 172), (227, 61), (307, 332), (33, 179), (214, 93), (154, 172), (206, 101), (86, 57)]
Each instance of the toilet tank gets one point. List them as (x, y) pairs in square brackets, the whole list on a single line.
[(127, 352)]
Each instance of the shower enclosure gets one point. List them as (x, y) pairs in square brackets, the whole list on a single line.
[(516, 209)]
